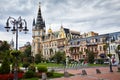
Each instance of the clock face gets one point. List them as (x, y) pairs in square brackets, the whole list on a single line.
[(37, 33)]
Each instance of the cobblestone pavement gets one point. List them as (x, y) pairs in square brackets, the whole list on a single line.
[(91, 74)]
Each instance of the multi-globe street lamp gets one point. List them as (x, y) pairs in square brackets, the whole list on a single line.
[(18, 26)]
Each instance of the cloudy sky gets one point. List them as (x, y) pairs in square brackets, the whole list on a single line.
[(102, 16)]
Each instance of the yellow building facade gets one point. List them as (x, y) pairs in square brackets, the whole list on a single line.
[(49, 42)]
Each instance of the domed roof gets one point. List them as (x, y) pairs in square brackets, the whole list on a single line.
[(49, 30)]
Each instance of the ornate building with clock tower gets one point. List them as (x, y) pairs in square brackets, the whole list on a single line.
[(48, 44), (38, 33)]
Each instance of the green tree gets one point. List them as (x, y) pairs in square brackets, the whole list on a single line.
[(15, 53), (27, 54), (38, 58), (59, 57), (4, 46), (4, 49), (27, 51), (15, 58), (90, 56), (5, 67)]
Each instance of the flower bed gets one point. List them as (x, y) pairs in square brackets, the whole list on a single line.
[(10, 76), (4, 76)]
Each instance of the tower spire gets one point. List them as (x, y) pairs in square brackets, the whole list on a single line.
[(39, 4), (40, 24)]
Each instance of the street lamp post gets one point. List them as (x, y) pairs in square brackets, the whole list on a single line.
[(18, 26)]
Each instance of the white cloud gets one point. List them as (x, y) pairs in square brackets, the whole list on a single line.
[(101, 16)]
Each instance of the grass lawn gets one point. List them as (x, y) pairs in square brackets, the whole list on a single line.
[(50, 64), (57, 75)]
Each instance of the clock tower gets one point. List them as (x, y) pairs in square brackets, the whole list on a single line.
[(38, 33)]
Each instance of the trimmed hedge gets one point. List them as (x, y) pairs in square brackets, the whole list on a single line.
[(42, 68), (29, 74)]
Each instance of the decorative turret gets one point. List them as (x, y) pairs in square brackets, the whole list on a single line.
[(33, 22), (49, 31)]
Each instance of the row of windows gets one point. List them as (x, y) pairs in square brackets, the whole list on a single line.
[(83, 49), (92, 41), (112, 47), (50, 44), (47, 51), (78, 56)]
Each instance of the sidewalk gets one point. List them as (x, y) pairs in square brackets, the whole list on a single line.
[(92, 75)]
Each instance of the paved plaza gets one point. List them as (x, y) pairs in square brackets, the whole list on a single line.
[(91, 74)]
